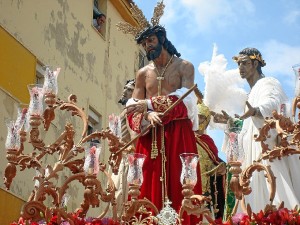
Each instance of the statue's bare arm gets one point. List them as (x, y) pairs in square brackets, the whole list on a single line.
[(187, 72), (138, 94), (139, 90)]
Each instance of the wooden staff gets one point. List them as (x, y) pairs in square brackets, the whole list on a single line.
[(199, 95), (164, 114)]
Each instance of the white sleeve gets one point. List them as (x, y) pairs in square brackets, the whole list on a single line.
[(132, 101)]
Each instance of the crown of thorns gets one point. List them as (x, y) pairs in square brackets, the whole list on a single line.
[(143, 23)]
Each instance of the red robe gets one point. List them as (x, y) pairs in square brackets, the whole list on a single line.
[(179, 138)]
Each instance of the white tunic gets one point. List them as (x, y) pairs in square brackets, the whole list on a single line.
[(267, 94)]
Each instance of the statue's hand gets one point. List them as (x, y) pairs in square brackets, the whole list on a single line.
[(154, 118), (250, 112), (220, 118), (139, 107)]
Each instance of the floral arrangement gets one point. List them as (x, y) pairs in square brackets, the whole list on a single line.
[(269, 216), (77, 221), (282, 216)]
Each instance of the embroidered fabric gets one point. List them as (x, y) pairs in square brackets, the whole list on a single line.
[(161, 103)]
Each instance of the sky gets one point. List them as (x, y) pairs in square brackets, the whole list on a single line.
[(196, 26)]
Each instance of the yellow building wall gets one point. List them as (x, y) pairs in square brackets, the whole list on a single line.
[(17, 67), (7, 203)]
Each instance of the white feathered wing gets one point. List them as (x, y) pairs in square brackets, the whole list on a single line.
[(223, 88)]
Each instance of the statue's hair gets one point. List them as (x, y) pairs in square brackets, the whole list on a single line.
[(161, 34), (130, 82), (254, 54), (167, 44)]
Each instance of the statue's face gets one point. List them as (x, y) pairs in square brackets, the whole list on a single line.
[(152, 47), (127, 93), (246, 66)]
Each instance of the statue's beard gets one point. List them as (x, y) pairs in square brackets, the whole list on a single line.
[(151, 55)]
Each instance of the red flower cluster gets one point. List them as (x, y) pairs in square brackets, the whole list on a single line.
[(272, 217), (281, 216), (76, 220)]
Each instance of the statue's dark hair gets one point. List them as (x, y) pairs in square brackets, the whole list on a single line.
[(131, 82), (161, 34)]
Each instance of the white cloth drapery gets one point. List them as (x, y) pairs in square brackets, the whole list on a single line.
[(267, 94)]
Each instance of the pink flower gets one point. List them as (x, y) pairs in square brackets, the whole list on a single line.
[(238, 217)]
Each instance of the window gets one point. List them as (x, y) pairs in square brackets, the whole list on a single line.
[(143, 61), (99, 16), (39, 74), (94, 121)]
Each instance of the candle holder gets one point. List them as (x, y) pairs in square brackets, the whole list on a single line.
[(92, 153), (13, 141), (235, 157), (234, 148), (192, 204), (50, 84), (23, 117), (114, 124), (50, 89), (296, 100), (240, 180), (135, 205), (296, 69), (135, 171), (35, 113), (12, 145), (189, 169), (36, 99)]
